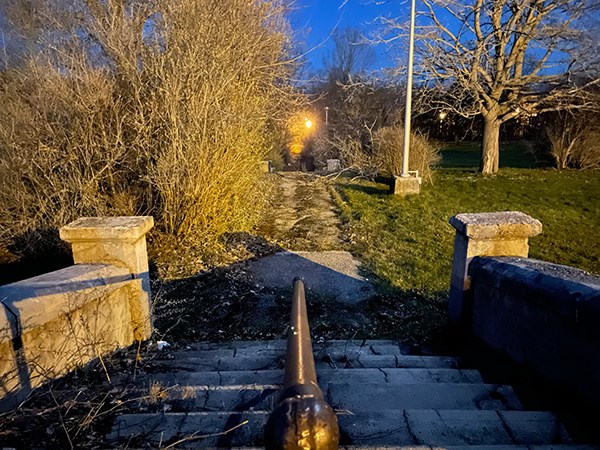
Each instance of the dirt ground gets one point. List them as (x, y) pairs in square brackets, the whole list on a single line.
[(302, 215)]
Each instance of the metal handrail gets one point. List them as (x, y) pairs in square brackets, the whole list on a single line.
[(302, 418)]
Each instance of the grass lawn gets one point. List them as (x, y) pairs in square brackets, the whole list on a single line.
[(515, 154), (407, 242)]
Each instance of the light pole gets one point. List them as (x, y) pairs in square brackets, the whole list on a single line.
[(443, 115), (407, 122), (326, 116)]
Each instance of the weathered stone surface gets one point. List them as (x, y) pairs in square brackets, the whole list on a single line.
[(492, 225), (342, 396), (205, 380), (484, 234), (39, 300), (381, 396), (56, 322), (570, 292), (533, 427), (107, 228), (543, 315), (266, 167), (404, 186), (121, 242), (202, 362), (66, 319), (333, 165), (436, 428), (9, 375), (452, 409)]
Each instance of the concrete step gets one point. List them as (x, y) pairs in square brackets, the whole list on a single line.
[(277, 348), (324, 376), (453, 447), (389, 427), (249, 347), (330, 360), (349, 397)]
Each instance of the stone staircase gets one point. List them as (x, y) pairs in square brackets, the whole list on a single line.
[(219, 395)]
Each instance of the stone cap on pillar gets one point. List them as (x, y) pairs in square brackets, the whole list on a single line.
[(123, 228), (496, 225)]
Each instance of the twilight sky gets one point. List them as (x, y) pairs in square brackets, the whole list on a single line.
[(315, 20)]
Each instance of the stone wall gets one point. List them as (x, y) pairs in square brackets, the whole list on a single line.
[(56, 322), (540, 314)]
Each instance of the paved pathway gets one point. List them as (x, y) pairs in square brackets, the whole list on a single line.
[(304, 222)]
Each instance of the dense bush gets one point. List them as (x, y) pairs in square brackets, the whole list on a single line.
[(575, 140), (159, 108), (389, 148)]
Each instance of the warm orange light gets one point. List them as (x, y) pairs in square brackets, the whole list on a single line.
[(300, 128), (296, 148)]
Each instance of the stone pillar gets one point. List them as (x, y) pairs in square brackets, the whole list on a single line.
[(119, 241), (485, 234), (404, 186), (334, 165), (266, 167)]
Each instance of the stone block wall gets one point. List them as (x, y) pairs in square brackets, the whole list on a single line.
[(53, 323), (540, 314)]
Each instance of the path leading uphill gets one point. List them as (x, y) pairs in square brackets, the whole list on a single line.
[(301, 215)]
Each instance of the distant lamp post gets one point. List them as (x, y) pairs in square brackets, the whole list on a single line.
[(326, 115), (443, 115)]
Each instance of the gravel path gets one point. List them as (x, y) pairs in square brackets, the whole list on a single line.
[(302, 214)]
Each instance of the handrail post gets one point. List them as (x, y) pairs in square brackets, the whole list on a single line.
[(302, 418)]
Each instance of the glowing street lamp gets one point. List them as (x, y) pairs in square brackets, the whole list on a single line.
[(443, 115), (308, 123)]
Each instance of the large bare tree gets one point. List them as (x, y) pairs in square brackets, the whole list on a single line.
[(503, 60)]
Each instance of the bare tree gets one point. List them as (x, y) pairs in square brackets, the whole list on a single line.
[(351, 56), (502, 59), (574, 140)]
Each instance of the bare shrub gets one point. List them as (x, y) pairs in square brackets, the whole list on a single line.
[(575, 141), (389, 146), (158, 108), (351, 152)]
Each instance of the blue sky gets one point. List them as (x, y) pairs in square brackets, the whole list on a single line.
[(315, 20)]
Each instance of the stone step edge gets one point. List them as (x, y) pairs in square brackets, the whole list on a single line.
[(449, 447), (507, 423), (283, 342), (330, 361), (388, 376)]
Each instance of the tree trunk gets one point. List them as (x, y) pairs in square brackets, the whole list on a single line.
[(490, 149)]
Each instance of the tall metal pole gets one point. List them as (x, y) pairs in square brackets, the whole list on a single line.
[(407, 122)]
